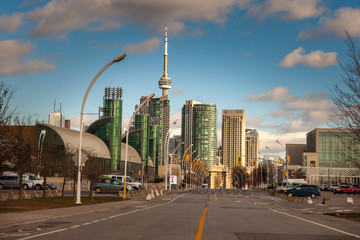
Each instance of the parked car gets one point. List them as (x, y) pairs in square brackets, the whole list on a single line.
[(50, 186), (14, 182), (345, 189), (110, 185), (324, 187), (333, 186), (129, 180), (304, 190)]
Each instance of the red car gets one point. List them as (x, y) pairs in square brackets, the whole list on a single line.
[(346, 189)]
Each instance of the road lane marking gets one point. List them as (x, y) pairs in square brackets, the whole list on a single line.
[(76, 226), (43, 234), (202, 220), (114, 216), (201, 225), (319, 224)]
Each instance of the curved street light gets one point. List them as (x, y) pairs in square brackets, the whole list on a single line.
[(171, 159), (117, 59), (286, 165), (127, 138)]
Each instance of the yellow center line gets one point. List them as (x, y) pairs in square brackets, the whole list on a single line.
[(202, 220)]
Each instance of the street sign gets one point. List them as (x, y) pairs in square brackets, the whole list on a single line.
[(173, 179)]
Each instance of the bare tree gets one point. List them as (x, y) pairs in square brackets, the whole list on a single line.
[(93, 170), (297, 173), (67, 167), (6, 114), (49, 159), (346, 99), (240, 175), (22, 148)]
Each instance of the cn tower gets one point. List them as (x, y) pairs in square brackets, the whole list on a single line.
[(165, 82)]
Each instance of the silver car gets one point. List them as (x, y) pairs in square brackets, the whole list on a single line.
[(14, 182)]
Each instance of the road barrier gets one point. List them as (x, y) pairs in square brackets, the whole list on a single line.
[(326, 201)]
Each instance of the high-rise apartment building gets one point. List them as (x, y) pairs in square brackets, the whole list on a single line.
[(199, 131), (233, 137), (252, 147)]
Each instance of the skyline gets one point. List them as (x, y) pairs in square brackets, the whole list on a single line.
[(277, 59)]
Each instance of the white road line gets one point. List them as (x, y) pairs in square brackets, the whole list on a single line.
[(319, 224), (76, 226), (43, 234), (114, 216)]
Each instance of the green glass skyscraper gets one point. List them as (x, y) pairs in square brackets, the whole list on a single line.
[(199, 128), (108, 126)]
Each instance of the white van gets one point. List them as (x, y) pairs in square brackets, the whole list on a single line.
[(38, 183), (129, 180)]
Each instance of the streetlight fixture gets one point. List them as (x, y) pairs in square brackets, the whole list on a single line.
[(182, 162), (286, 159), (117, 59), (127, 139), (166, 151), (189, 165), (171, 158), (276, 173)]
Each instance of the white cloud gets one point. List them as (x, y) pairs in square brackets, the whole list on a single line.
[(345, 19), (288, 9), (144, 47), (307, 103), (275, 94), (87, 120), (11, 23), (318, 59), (299, 113), (11, 52), (59, 16), (176, 92), (268, 139)]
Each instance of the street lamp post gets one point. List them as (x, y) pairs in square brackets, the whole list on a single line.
[(182, 162), (276, 171), (166, 153), (189, 165), (171, 159), (117, 59), (286, 165), (127, 139)]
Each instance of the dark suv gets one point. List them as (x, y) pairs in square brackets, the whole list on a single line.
[(304, 191), (14, 182)]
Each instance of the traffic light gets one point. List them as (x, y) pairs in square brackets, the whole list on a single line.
[(254, 163), (240, 160), (288, 159), (285, 173), (140, 172), (196, 161), (186, 159)]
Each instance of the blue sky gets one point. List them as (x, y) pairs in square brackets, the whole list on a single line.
[(277, 59)]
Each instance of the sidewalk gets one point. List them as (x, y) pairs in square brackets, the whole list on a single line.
[(9, 219)]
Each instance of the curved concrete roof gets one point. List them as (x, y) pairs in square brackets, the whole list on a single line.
[(134, 156), (71, 139)]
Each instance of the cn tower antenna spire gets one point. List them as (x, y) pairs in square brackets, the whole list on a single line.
[(165, 82)]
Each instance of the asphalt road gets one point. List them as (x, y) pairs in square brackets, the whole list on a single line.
[(195, 214)]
